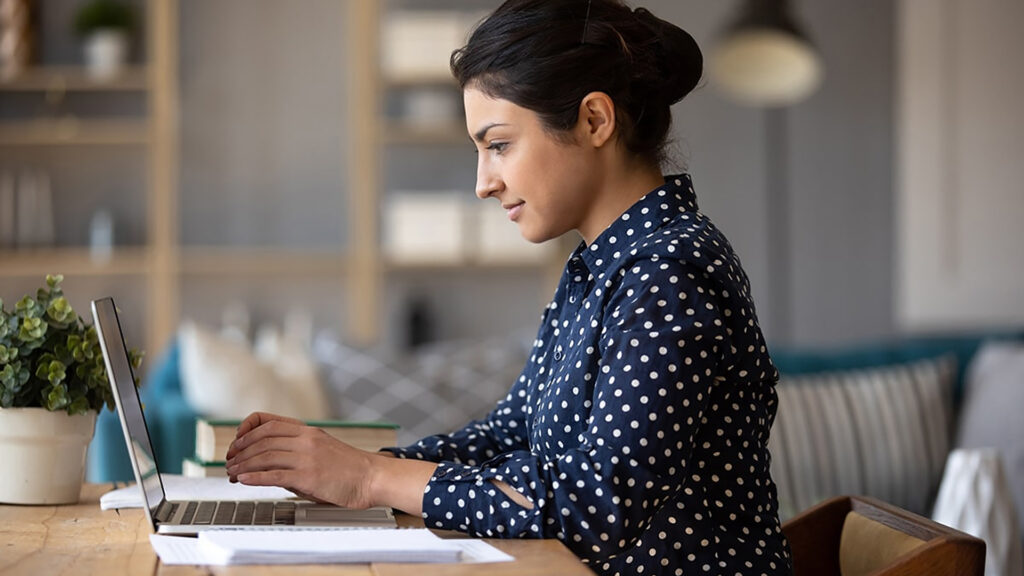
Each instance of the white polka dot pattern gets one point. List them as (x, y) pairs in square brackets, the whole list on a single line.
[(638, 429)]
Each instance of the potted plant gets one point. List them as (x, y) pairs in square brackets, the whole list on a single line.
[(53, 383), (104, 25)]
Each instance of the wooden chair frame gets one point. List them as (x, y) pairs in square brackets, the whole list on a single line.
[(814, 537)]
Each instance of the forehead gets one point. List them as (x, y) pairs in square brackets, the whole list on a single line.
[(483, 109)]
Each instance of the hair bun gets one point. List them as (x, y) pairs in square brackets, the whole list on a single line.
[(680, 60)]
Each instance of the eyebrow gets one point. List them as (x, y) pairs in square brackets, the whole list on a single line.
[(479, 136)]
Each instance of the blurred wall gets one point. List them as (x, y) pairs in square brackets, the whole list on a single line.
[(263, 148)]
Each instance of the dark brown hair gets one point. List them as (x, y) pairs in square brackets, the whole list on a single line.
[(546, 55)]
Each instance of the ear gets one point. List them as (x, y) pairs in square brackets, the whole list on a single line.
[(596, 122)]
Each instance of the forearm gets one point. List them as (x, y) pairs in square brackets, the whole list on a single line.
[(399, 483)]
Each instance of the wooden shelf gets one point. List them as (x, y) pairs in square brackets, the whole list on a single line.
[(394, 132), (75, 79), (245, 261), (73, 131), (128, 261)]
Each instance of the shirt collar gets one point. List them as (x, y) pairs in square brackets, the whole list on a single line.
[(656, 208)]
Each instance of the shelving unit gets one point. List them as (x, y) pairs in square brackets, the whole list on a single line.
[(153, 131), (167, 266)]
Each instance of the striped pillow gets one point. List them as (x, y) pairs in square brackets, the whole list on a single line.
[(881, 432)]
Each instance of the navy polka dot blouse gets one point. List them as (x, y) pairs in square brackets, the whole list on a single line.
[(638, 429)]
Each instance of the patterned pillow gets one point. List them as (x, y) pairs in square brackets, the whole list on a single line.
[(437, 389), (882, 432)]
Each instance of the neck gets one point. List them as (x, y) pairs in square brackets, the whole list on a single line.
[(617, 191)]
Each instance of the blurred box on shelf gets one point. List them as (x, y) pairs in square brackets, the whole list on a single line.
[(419, 43), (500, 242), (422, 227)]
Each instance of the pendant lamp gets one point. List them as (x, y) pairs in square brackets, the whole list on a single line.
[(764, 58)]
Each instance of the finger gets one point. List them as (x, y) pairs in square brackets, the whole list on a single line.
[(280, 478), (257, 419), (264, 430), (287, 479), (273, 443), (271, 460)]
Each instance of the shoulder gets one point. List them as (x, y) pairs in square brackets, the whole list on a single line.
[(691, 246)]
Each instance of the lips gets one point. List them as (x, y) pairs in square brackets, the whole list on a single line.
[(513, 210)]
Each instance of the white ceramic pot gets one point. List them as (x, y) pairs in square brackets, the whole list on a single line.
[(106, 52), (43, 455)]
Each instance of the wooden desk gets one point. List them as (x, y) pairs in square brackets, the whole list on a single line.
[(82, 539)]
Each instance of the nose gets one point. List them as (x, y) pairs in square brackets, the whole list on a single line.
[(488, 182)]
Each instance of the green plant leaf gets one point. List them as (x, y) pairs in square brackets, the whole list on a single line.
[(54, 280), (57, 398), (50, 357), (32, 329), (79, 406), (60, 311), (27, 308)]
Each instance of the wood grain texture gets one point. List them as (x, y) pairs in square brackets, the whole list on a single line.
[(81, 539), (75, 539)]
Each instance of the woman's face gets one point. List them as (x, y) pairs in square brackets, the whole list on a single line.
[(545, 185)]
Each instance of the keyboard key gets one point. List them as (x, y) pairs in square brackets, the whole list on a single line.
[(205, 513), (190, 512), (244, 513), (225, 513), (264, 514)]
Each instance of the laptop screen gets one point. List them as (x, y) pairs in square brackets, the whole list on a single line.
[(129, 408)]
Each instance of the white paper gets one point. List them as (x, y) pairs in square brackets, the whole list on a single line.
[(478, 552), (179, 487), (225, 547), (176, 550)]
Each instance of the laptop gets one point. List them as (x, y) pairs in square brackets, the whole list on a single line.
[(191, 517)]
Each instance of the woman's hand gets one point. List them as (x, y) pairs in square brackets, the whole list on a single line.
[(271, 450)]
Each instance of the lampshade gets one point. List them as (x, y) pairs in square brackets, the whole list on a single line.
[(764, 58)]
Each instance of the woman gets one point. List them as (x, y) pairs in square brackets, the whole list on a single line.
[(637, 433)]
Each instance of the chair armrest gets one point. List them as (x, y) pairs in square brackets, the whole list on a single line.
[(814, 537)]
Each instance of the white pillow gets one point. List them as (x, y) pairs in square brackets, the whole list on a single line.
[(223, 379), (991, 412)]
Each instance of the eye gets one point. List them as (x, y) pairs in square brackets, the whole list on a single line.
[(498, 147)]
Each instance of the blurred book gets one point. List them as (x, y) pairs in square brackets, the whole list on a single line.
[(213, 437), (193, 467)]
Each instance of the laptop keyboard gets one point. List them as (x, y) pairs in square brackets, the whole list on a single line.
[(236, 513)]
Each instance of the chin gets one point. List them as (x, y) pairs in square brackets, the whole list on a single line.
[(536, 236)]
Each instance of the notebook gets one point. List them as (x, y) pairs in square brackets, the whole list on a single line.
[(192, 517)]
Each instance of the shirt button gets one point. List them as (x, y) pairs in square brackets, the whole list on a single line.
[(558, 354)]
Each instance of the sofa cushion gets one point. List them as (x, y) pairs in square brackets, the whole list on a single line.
[(882, 432), (796, 361)]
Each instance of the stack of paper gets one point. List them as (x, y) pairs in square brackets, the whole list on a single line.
[(175, 550), (325, 546)]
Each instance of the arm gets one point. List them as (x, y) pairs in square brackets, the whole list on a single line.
[(272, 450), (660, 352)]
